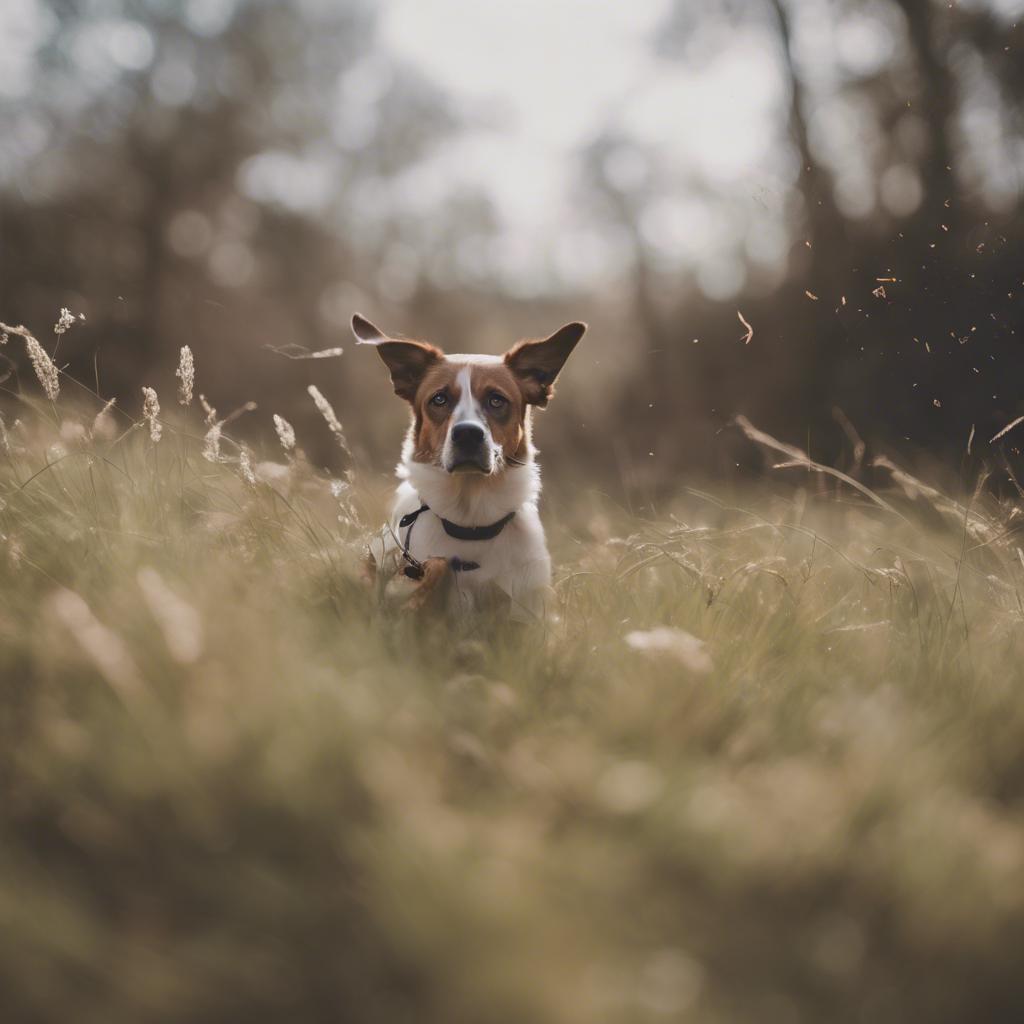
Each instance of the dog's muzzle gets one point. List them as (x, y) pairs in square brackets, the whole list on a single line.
[(469, 450)]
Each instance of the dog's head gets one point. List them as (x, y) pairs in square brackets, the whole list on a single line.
[(471, 411)]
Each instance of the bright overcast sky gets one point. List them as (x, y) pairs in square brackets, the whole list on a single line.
[(538, 80), (547, 75)]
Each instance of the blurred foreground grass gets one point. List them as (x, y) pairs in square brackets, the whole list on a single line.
[(232, 789)]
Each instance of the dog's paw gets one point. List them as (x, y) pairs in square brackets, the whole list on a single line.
[(430, 590)]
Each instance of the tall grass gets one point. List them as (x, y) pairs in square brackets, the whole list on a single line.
[(765, 764)]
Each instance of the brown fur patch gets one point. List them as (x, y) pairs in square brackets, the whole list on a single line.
[(431, 421), (537, 363), (408, 362), (507, 421)]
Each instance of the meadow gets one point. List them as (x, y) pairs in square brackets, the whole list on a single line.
[(763, 764)]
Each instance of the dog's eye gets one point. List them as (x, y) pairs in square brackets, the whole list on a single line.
[(440, 399), (496, 401)]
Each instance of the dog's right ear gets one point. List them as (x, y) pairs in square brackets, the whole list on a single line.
[(407, 361)]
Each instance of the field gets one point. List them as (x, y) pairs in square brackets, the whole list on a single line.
[(764, 765)]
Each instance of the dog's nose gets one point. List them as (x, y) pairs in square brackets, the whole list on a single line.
[(467, 435)]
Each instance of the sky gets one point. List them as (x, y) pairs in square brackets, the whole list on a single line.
[(543, 78), (536, 80)]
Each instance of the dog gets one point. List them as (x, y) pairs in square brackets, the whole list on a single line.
[(465, 517)]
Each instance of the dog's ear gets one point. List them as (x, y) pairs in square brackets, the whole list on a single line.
[(407, 361), (365, 331), (536, 364)]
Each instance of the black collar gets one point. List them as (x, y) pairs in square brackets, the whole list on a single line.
[(489, 532)]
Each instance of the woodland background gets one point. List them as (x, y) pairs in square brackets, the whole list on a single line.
[(241, 175)]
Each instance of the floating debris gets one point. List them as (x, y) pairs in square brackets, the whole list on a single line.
[(301, 352), (750, 330), (1006, 429)]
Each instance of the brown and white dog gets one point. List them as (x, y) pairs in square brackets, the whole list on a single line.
[(467, 501)]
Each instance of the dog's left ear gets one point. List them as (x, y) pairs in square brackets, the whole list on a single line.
[(537, 363), (407, 361)]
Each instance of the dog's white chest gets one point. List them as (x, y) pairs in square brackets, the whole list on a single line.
[(516, 561)]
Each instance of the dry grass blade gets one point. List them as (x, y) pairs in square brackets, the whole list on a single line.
[(1006, 429), (859, 448), (913, 488), (255, 682), (802, 459)]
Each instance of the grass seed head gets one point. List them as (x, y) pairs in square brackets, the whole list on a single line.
[(46, 369), (65, 321), (285, 433), (103, 425), (186, 374), (151, 412), (245, 465), (211, 444), (333, 423)]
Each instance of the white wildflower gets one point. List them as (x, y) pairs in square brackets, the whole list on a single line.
[(285, 433), (46, 369), (151, 412), (179, 622), (211, 444), (186, 374), (674, 643)]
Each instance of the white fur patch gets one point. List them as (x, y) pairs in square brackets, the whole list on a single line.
[(468, 408)]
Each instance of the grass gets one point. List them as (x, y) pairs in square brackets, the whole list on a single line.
[(232, 788)]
